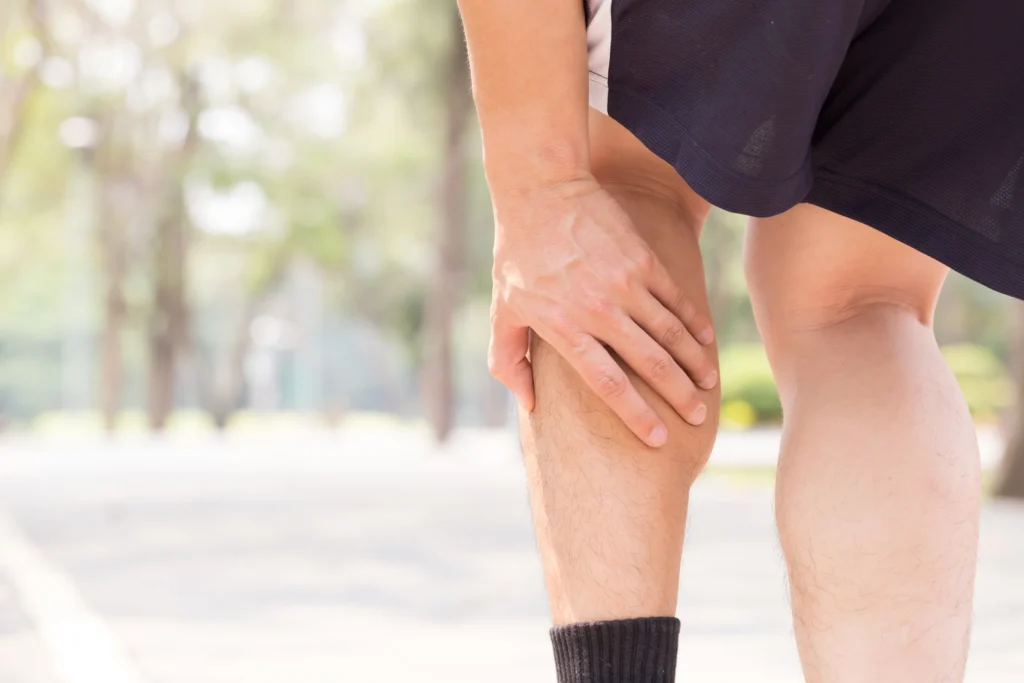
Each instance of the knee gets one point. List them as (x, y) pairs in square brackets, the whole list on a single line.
[(823, 339), (817, 279), (827, 310)]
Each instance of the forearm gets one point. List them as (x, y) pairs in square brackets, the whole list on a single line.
[(529, 64)]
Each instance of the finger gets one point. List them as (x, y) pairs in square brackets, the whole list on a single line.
[(675, 299), (671, 334), (659, 369), (508, 360), (609, 381)]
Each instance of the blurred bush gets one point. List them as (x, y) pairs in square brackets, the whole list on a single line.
[(749, 395), (85, 422), (983, 378)]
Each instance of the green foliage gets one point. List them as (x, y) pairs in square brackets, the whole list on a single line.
[(749, 395), (983, 379), (748, 389), (970, 361), (968, 313)]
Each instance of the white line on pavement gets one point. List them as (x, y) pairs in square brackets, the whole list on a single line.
[(82, 648)]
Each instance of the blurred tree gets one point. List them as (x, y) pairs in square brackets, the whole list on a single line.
[(1010, 477), (232, 151), (114, 170), (280, 55), (168, 323), (446, 288)]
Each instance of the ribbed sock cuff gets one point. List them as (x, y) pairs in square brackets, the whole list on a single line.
[(626, 651)]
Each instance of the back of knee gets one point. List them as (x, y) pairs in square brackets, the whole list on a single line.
[(818, 279), (839, 332)]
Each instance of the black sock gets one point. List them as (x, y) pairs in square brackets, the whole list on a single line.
[(626, 651)]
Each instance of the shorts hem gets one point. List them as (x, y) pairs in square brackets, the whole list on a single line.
[(883, 208), (676, 143), (919, 226)]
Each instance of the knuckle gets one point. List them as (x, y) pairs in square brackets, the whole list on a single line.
[(611, 385), (596, 305), (576, 345), (673, 335), (659, 368), (564, 328), (621, 280), (685, 307), (646, 261)]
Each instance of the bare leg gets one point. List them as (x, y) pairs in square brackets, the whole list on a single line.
[(610, 511), (878, 487)]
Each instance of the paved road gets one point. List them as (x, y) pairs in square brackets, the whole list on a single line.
[(337, 560)]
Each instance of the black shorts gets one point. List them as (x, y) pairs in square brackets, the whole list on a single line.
[(906, 115)]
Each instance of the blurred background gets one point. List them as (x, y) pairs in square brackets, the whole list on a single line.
[(246, 426)]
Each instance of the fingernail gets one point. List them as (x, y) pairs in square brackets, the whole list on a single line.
[(698, 415), (658, 437), (710, 381), (706, 336)]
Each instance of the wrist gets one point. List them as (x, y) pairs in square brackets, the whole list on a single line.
[(527, 164)]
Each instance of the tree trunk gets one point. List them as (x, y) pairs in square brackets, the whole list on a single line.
[(443, 299), (1010, 478), (168, 329), (115, 314), (161, 378), (167, 322), (112, 168), (112, 366)]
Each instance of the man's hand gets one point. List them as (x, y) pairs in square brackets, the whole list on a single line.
[(569, 265)]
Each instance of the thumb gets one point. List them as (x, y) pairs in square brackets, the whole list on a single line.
[(508, 360)]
